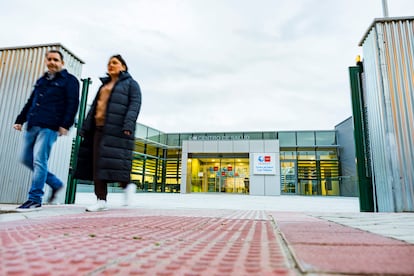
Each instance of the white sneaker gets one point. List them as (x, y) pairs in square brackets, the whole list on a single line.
[(100, 205), (129, 191)]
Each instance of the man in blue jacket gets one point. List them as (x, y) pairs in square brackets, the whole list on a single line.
[(49, 112)]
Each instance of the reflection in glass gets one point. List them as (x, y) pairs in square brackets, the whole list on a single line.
[(219, 175), (306, 138), (288, 177), (287, 139), (325, 138)]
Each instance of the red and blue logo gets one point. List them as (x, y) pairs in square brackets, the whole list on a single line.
[(264, 159)]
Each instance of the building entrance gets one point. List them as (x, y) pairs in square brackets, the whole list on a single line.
[(288, 177), (216, 174)]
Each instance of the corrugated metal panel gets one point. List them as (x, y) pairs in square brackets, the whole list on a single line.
[(345, 138), (388, 49), (20, 67)]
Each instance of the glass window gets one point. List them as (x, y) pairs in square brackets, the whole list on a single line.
[(152, 150), (141, 131), (139, 147), (234, 136), (288, 177), (325, 138), (214, 136), (306, 138), (173, 154), (206, 136), (153, 135), (288, 155), (185, 136), (173, 140), (269, 135), (138, 165), (163, 138), (327, 155), (215, 174), (306, 155), (329, 177), (254, 135), (287, 139)]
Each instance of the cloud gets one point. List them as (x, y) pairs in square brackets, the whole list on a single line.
[(234, 65)]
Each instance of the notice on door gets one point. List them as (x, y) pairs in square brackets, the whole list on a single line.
[(264, 163)]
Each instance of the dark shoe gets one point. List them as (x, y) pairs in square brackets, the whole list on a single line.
[(53, 194), (29, 206)]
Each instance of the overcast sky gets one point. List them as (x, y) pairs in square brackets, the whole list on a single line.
[(214, 65)]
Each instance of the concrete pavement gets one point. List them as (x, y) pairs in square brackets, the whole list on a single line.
[(207, 234)]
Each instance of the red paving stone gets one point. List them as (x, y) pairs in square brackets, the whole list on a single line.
[(320, 246), (137, 242), (196, 242)]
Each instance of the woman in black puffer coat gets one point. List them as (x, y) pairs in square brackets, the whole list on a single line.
[(105, 153)]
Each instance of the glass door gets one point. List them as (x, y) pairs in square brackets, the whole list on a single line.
[(227, 175), (308, 178), (329, 173), (220, 175), (288, 177)]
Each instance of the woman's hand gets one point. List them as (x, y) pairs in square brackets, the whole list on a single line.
[(127, 132)]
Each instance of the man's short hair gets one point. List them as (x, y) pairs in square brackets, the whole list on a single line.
[(55, 51)]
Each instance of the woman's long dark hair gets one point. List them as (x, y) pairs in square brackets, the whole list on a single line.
[(121, 59)]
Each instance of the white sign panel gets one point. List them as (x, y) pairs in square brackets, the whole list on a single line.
[(264, 163)]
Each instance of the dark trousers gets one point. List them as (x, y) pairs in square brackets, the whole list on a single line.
[(101, 186)]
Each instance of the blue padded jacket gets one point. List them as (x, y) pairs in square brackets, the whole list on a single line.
[(53, 103)]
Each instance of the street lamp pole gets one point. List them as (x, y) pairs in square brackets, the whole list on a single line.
[(385, 8)]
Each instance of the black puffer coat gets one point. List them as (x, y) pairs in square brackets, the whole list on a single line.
[(116, 148)]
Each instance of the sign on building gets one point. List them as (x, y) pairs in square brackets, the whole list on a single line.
[(264, 163)]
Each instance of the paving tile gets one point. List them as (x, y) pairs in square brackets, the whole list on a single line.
[(356, 259), (135, 242), (202, 237), (331, 233), (394, 225), (320, 246)]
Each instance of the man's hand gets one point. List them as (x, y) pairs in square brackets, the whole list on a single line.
[(62, 131), (17, 127)]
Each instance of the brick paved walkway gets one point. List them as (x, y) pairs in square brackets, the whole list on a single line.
[(195, 242), (144, 242)]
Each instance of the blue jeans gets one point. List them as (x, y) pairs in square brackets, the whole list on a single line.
[(38, 143)]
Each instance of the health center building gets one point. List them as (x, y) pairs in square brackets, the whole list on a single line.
[(318, 163)]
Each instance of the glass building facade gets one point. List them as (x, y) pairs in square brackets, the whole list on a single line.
[(309, 162)]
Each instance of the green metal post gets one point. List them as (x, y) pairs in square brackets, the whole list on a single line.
[(366, 194), (72, 182)]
